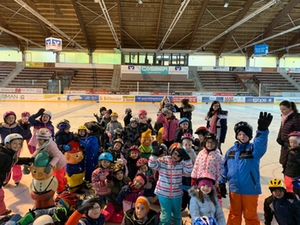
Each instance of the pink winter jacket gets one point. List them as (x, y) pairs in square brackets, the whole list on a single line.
[(170, 126), (208, 164), (58, 159), (98, 181)]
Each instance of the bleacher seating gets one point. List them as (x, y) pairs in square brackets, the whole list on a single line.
[(156, 83), (31, 77), (221, 81), (97, 79), (272, 82), (5, 69), (295, 76)]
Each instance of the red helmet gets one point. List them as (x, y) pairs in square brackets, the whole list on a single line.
[(202, 130), (141, 112), (8, 113), (141, 161), (25, 114), (294, 133), (187, 136)]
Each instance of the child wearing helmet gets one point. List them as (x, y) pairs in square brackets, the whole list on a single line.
[(182, 129), (276, 206), (112, 125), (131, 132), (63, 136), (114, 211), (128, 116), (8, 126), (99, 175), (168, 189), (43, 122), (292, 168), (204, 202), (145, 122), (133, 157), (9, 157), (170, 124), (240, 168), (58, 160), (24, 122)]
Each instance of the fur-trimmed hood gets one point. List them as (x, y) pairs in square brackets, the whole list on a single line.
[(194, 192)]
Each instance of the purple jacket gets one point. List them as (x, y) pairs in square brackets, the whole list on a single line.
[(170, 126)]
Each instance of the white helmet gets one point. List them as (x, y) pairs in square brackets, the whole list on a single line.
[(44, 134), (11, 137), (47, 112), (44, 219)]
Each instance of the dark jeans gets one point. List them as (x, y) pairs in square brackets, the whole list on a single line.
[(186, 198)]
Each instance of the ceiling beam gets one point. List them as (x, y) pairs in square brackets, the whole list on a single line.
[(82, 26), (120, 23), (269, 29), (158, 22), (42, 26), (15, 40), (293, 41), (203, 9), (241, 15)]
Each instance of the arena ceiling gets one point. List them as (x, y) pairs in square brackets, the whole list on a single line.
[(153, 25)]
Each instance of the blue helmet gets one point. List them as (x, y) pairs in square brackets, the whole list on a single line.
[(184, 119), (106, 156)]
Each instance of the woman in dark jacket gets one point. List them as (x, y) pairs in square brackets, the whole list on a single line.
[(217, 121), (290, 121)]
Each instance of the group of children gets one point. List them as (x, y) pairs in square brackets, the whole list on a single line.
[(129, 170)]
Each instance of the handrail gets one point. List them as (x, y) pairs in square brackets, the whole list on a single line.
[(241, 82)]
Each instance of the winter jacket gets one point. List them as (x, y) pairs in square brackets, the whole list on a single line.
[(170, 127), (127, 119), (63, 138), (241, 165), (292, 168), (98, 181), (180, 132), (77, 218), (142, 127), (294, 213), (129, 218), (91, 156), (208, 164), (111, 126), (221, 125), (185, 112), (291, 124), (207, 208), (132, 168), (131, 135), (57, 158), (38, 124), (25, 126), (272, 215), (6, 129), (128, 195), (170, 175)]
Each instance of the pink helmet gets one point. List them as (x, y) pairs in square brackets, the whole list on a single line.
[(294, 133), (187, 136), (25, 114), (142, 112), (141, 161), (8, 113)]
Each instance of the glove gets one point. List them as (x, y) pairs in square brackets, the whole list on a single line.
[(126, 190), (60, 215), (97, 117), (25, 126), (149, 120), (186, 157), (194, 182), (26, 169), (40, 112), (155, 148), (48, 169), (223, 190), (84, 208), (264, 121), (67, 147), (109, 176)]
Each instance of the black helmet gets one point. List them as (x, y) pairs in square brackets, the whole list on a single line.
[(245, 127)]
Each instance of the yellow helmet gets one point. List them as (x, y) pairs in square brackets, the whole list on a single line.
[(114, 114), (275, 184), (82, 127)]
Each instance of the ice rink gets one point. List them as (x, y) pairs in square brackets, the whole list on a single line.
[(18, 198)]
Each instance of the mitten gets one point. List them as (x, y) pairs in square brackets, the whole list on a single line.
[(26, 169), (84, 208), (48, 169), (109, 176), (155, 148), (264, 121), (223, 190), (25, 126), (60, 215), (67, 147), (40, 112)]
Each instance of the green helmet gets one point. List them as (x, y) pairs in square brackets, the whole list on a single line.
[(42, 159)]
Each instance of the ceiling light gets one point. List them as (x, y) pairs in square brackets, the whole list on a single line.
[(226, 4), (140, 2)]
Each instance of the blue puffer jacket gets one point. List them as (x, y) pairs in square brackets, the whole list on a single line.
[(241, 165)]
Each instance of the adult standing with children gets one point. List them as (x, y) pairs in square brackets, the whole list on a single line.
[(290, 121), (217, 122)]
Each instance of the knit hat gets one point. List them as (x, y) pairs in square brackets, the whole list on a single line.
[(245, 127), (295, 135), (141, 178), (207, 182), (144, 201)]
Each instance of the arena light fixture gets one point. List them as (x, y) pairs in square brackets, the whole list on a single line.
[(140, 2), (226, 4)]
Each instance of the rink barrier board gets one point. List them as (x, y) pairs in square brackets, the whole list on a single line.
[(198, 99)]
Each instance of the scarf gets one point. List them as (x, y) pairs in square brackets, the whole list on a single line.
[(213, 123), (284, 117), (44, 146)]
